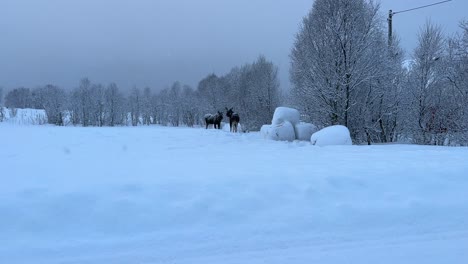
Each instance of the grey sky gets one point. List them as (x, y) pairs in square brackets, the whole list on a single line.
[(155, 42)]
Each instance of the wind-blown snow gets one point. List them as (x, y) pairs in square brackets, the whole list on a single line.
[(181, 195)]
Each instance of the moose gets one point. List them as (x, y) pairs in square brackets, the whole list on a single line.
[(214, 119), (233, 119)]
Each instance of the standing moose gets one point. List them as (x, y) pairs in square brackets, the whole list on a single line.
[(214, 119), (233, 119)]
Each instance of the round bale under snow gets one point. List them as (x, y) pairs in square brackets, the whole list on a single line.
[(332, 135), (265, 130), (283, 114), (304, 131), (282, 132)]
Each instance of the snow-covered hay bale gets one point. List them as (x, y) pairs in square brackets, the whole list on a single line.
[(283, 114), (281, 132), (304, 131), (265, 130), (332, 135), (26, 116)]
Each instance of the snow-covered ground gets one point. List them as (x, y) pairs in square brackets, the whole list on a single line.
[(181, 195)]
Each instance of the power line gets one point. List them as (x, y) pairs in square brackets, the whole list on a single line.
[(391, 13), (438, 3)]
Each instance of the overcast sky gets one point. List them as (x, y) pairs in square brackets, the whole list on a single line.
[(156, 42)]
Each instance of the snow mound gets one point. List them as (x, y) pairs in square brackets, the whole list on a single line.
[(332, 135), (304, 131), (281, 132), (283, 114)]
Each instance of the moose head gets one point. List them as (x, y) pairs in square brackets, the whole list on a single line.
[(229, 112)]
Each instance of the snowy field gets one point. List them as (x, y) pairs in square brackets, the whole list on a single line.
[(182, 195)]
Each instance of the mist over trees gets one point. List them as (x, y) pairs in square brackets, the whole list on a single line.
[(343, 71)]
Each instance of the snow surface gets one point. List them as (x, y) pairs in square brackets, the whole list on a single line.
[(283, 114), (181, 195), (332, 135)]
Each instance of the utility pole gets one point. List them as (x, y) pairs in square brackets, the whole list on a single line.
[(391, 14), (390, 27)]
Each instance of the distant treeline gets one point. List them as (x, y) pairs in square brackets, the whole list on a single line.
[(253, 91), (343, 71)]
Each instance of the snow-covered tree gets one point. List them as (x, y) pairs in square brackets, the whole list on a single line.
[(257, 95), (53, 100), (338, 65), (134, 104), (213, 92), (19, 98), (82, 103), (97, 107), (189, 106), (456, 67), (427, 87), (146, 106), (114, 105)]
